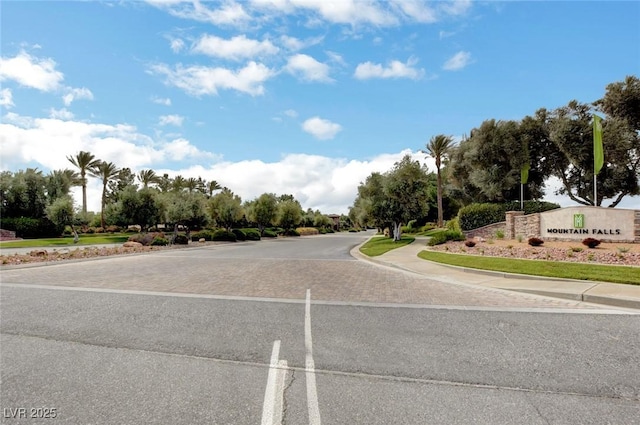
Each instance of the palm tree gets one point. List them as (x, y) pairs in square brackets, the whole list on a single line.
[(212, 186), (439, 148), (191, 184), (148, 177), (84, 161), (178, 183), (105, 171)]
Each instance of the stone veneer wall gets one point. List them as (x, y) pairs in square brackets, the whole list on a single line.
[(486, 232), (636, 225), (7, 235)]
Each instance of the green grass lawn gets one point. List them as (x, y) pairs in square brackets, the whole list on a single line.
[(564, 270), (381, 244), (99, 238)]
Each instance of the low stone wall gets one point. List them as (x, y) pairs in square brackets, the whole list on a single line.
[(487, 232), (7, 235)]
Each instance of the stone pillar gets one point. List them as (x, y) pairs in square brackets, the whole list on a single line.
[(636, 226), (510, 226)]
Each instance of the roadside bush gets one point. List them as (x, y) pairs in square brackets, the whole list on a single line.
[(268, 233), (99, 230), (90, 230), (181, 240), (328, 230), (307, 231), (591, 242), (535, 241), (223, 236), (352, 230), (240, 235), (251, 234), (444, 236), (113, 229), (147, 239), (291, 232), (202, 234), (159, 241)]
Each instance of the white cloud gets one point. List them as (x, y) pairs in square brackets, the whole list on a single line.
[(295, 44), (161, 101), (29, 71), (231, 13), (415, 10), (307, 68), (48, 141), (457, 61), (176, 45), (171, 120), (291, 113), (237, 48), (320, 128), (341, 12), (395, 69), (75, 94), (318, 182), (202, 80), (445, 34), (62, 114), (6, 98)]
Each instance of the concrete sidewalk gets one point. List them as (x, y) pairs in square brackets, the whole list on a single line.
[(406, 258)]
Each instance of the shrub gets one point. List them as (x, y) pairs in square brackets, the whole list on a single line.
[(268, 233), (500, 234), (159, 241), (113, 229), (202, 234), (306, 231), (535, 241), (428, 227), (328, 230), (240, 235), (478, 215), (453, 224), (26, 227), (591, 242), (444, 236), (181, 240), (470, 243), (437, 239), (576, 249), (223, 235), (291, 232), (90, 230), (251, 234), (352, 230)]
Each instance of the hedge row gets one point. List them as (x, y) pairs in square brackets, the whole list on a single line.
[(475, 216), (26, 227)]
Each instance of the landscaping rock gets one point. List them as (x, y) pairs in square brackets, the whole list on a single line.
[(131, 244), (38, 253)]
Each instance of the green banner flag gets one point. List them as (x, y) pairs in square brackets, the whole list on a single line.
[(598, 153), (524, 173)]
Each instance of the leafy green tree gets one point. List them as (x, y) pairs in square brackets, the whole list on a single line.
[(263, 211), (24, 194), (84, 161), (405, 188), (486, 166), (178, 183), (289, 213), (186, 208), (571, 131), (225, 208), (141, 207), (123, 179), (105, 171), (164, 183), (622, 101), (61, 212), (439, 148)]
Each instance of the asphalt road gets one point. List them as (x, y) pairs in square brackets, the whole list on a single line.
[(265, 333)]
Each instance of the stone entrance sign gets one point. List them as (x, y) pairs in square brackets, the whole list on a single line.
[(577, 223)]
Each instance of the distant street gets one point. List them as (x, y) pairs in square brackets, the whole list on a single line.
[(297, 331)]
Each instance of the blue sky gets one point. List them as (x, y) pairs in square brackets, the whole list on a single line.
[(290, 96)]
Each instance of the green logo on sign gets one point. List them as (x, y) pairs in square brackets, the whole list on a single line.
[(578, 221)]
